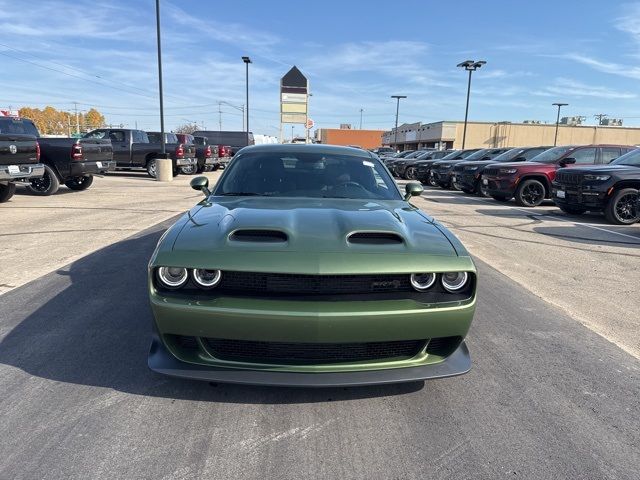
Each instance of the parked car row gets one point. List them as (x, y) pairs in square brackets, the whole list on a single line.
[(578, 178), (43, 164)]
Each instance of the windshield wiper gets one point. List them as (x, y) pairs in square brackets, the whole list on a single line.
[(243, 194)]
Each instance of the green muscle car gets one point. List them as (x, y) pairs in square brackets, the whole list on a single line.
[(306, 266)]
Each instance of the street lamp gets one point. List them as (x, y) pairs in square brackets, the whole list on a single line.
[(162, 144), (559, 105), (397, 97), (470, 66), (247, 61)]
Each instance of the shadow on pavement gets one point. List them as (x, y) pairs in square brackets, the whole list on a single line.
[(96, 331)]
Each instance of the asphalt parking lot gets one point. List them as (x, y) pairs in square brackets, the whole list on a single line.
[(554, 391)]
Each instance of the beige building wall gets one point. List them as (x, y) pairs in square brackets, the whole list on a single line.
[(486, 135)]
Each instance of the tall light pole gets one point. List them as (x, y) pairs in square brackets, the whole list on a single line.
[(361, 110), (247, 61), (163, 149), (470, 66), (397, 97), (559, 105)]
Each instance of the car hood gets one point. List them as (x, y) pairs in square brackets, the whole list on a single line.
[(310, 225), (522, 164)]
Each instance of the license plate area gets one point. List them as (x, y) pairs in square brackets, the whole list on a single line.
[(13, 169)]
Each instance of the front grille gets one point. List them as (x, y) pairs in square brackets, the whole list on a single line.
[(568, 178), (286, 283), (311, 353), (443, 346), (490, 171)]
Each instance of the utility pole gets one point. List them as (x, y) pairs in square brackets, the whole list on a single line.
[(600, 116), (77, 121), (292, 126), (220, 116), (470, 66), (163, 148), (361, 110)]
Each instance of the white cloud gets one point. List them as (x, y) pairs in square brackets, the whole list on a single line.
[(566, 87)]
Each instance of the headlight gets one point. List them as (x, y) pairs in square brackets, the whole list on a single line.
[(508, 171), (206, 278), (599, 178), (172, 277), (454, 281), (470, 169), (422, 281)]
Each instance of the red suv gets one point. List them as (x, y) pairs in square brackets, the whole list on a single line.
[(530, 182)]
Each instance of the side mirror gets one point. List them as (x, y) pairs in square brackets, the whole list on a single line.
[(567, 161), (413, 189), (202, 184)]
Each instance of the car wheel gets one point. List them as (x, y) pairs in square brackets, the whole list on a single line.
[(410, 173), (623, 208), (432, 181), (7, 191), (214, 168), (48, 184), (189, 170), (572, 210), (152, 168), (530, 193), (500, 198), (482, 191), (456, 186), (79, 183)]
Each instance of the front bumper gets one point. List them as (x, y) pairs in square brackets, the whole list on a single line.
[(79, 169), (442, 178), (575, 196), (16, 173), (162, 361), (500, 186), (466, 181), (186, 162)]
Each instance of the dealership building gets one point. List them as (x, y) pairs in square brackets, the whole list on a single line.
[(448, 134), (348, 136)]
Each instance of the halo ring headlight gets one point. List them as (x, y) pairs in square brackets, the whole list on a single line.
[(422, 281), (205, 278), (454, 281), (172, 277)]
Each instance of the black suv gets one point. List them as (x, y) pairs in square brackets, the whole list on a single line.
[(442, 171), (611, 188), (466, 175)]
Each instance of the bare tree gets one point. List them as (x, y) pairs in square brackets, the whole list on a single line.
[(186, 128)]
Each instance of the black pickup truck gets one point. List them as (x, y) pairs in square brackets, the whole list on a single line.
[(135, 149), (72, 161), (612, 188), (19, 154)]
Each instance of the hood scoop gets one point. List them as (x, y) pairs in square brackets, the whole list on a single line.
[(375, 238), (258, 236)]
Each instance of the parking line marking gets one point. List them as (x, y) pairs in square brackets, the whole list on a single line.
[(529, 212)]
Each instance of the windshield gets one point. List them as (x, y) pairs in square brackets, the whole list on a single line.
[(508, 155), (552, 155), (477, 155), (631, 158), (307, 174), (17, 126), (458, 154)]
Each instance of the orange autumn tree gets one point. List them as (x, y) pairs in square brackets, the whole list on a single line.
[(51, 121)]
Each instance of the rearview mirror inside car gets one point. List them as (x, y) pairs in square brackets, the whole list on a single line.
[(413, 189), (202, 184), (567, 161)]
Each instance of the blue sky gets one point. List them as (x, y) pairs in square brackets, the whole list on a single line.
[(355, 54)]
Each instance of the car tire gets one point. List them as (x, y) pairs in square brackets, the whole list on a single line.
[(482, 192), (530, 193), (189, 170), (455, 186), (431, 181), (500, 198), (623, 208), (48, 184), (572, 210), (410, 173), (7, 191), (79, 183), (152, 168)]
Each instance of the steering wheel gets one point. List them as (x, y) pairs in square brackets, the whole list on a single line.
[(350, 184)]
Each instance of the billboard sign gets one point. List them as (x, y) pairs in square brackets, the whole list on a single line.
[(294, 97)]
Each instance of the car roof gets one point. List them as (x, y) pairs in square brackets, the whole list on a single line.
[(307, 148)]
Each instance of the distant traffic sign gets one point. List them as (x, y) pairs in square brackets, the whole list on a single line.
[(309, 125)]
